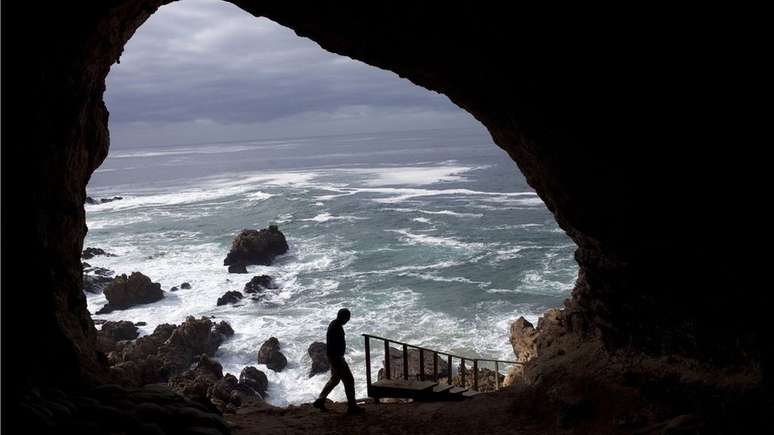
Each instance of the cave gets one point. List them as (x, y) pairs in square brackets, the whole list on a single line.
[(606, 119)]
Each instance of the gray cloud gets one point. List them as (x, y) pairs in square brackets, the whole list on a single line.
[(206, 70)]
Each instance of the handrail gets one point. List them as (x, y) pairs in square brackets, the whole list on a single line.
[(390, 340), (421, 374)]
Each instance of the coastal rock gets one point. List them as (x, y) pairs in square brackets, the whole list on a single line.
[(95, 283), (255, 379), (173, 289), (237, 268), (93, 201), (92, 252), (120, 330), (196, 382), (168, 351), (318, 354), (487, 379), (256, 247), (523, 339), (125, 292), (396, 364), (230, 297), (185, 286), (259, 284), (270, 354)]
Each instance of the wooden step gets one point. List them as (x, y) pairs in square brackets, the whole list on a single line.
[(442, 388), (404, 384), (470, 393), (457, 390)]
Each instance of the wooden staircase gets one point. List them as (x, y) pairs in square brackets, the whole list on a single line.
[(423, 386)]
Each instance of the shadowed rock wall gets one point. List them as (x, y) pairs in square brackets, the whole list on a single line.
[(605, 118)]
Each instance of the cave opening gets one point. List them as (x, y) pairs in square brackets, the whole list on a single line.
[(394, 201)]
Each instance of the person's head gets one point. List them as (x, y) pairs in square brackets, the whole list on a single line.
[(343, 316)]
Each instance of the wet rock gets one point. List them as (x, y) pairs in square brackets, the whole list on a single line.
[(125, 292), (259, 284), (196, 382), (173, 289), (92, 252), (270, 354), (230, 297), (396, 364), (237, 268), (120, 330), (318, 354), (140, 323), (168, 351), (255, 379), (95, 283), (256, 247), (185, 286), (94, 201)]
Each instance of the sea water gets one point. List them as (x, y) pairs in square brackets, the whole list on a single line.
[(430, 237)]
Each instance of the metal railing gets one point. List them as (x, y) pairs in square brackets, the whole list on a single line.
[(435, 353)]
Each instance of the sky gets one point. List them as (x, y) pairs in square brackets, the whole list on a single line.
[(206, 71)]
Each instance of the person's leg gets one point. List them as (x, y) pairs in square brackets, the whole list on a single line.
[(349, 383), (332, 382)]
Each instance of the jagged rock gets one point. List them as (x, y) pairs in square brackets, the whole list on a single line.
[(196, 382), (168, 351), (270, 354), (93, 201), (237, 268), (92, 252), (486, 378), (396, 364), (256, 247), (185, 286), (230, 297), (255, 379), (125, 292), (523, 337), (318, 353), (95, 283), (259, 283), (120, 330), (173, 289)]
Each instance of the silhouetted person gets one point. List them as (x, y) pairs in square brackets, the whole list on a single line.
[(336, 346)]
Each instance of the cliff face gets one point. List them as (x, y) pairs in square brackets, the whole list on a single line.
[(605, 120)]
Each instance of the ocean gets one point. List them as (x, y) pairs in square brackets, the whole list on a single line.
[(430, 237)]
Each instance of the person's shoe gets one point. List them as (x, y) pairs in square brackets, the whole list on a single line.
[(320, 404), (355, 410)]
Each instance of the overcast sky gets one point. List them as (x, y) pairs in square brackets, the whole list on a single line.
[(205, 70)]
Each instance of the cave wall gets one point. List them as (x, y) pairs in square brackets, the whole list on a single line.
[(603, 117)]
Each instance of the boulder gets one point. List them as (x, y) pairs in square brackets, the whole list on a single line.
[(95, 283), (92, 252), (256, 247), (237, 268), (255, 379), (125, 292), (168, 351), (185, 286), (195, 383), (173, 289), (230, 298), (120, 330), (396, 364), (259, 284), (270, 355), (318, 354)]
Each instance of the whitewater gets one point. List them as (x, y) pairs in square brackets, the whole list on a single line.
[(438, 242)]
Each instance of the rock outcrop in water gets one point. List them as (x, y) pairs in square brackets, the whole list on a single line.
[(259, 284), (256, 247), (168, 351), (93, 252), (95, 279), (125, 292), (230, 297), (318, 353), (93, 201), (270, 354)]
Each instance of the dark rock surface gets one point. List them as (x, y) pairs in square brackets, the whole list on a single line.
[(93, 201), (120, 330), (168, 351), (125, 292), (318, 353), (230, 297), (237, 268), (256, 247), (95, 283), (259, 283), (255, 379), (270, 354), (185, 286), (93, 252)]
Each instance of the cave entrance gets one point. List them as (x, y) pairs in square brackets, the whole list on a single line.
[(394, 201)]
